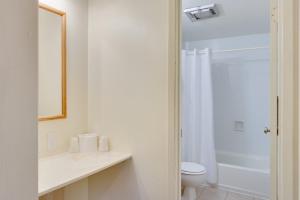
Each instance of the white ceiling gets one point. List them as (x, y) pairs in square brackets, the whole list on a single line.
[(236, 17)]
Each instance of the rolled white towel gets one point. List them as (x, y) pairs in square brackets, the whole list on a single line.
[(103, 144), (74, 145)]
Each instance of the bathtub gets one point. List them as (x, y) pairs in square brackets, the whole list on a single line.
[(244, 174)]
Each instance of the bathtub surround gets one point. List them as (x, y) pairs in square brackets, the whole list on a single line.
[(18, 100), (240, 87), (245, 180), (198, 143)]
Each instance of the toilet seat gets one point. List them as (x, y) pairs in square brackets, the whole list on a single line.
[(191, 168)]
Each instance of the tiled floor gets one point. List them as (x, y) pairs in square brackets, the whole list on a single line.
[(208, 193)]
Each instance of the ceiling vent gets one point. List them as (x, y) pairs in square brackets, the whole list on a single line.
[(201, 12)]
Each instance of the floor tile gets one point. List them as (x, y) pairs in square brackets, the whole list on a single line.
[(199, 191), (260, 198), (235, 196), (212, 194)]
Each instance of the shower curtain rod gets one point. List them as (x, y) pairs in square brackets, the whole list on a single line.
[(231, 50)]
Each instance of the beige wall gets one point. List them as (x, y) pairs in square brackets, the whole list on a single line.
[(60, 131), (128, 95), (18, 100)]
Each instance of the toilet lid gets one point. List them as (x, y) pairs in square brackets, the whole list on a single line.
[(192, 168)]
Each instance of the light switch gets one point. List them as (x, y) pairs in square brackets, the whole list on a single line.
[(52, 141)]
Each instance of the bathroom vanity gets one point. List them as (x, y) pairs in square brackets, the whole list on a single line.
[(63, 114), (58, 171)]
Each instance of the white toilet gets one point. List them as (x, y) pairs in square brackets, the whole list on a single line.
[(193, 175)]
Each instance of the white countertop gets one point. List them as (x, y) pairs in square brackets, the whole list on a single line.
[(61, 170)]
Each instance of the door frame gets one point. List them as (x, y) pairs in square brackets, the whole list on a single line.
[(285, 45), (284, 95)]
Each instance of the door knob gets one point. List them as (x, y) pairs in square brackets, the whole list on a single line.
[(267, 130)]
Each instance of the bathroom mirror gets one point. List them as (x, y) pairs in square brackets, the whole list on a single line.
[(52, 64)]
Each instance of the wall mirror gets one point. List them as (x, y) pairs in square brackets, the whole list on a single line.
[(52, 64)]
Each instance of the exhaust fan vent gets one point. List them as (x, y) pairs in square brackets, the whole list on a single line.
[(201, 12)]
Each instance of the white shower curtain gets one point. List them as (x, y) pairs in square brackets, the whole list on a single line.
[(197, 111)]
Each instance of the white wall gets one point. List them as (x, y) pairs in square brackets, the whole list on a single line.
[(18, 101), (128, 95), (241, 93), (60, 131)]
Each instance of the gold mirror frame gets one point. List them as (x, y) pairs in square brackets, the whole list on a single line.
[(63, 63)]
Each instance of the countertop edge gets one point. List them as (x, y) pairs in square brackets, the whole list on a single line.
[(127, 156)]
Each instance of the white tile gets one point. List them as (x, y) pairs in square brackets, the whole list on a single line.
[(235, 196), (260, 198), (212, 194), (199, 191)]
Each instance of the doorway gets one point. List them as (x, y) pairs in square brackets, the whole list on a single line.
[(227, 100)]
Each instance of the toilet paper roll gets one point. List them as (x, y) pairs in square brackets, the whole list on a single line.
[(103, 144)]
